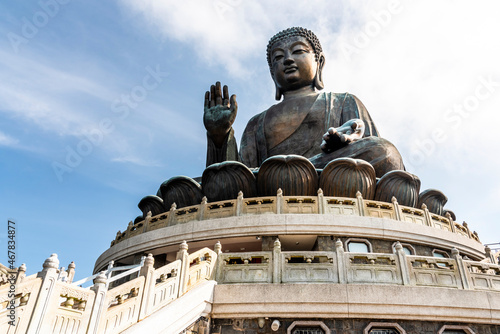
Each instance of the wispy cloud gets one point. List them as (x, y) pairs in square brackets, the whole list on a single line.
[(8, 141), (136, 161)]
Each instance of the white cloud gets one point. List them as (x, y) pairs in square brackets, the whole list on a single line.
[(41, 93), (8, 141)]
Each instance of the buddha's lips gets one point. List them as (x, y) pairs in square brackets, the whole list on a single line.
[(290, 69)]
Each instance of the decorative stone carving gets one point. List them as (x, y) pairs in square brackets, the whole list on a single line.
[(434, 199), (344, 177), (181, 190), (151, 203), (400, 184), (223, 181), (294, 174)]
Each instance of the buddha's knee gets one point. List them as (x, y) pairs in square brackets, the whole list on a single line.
[(381, 153)]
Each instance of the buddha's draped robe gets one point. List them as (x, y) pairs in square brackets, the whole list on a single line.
[(304, 134)]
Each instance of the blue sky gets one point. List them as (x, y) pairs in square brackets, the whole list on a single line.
[(77, 77)]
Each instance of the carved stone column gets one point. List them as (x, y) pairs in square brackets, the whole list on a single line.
[(148, 272), (49, 279)]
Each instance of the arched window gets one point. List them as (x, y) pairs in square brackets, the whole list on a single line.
[(454, 329), (355, 245), (308, 330), (383, 328), (308, 327)]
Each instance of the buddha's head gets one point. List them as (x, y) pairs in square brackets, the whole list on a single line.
[(295, 59)]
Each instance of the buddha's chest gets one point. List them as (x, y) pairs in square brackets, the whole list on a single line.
[(296, 117)]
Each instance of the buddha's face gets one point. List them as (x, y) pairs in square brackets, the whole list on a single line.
[(293, 63)]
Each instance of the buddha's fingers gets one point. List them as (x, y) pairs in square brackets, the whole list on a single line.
[(233, 105), (212, 95), (225, 95), (207, 99), (218, 94)]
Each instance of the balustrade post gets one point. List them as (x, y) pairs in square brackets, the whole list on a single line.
[(43, 303), (128, 230), (321, 201), (203, 208), (489, 255), (277, 261), (21, 273), (279, 201), (172, 220), (147, 220), (462, 269), (100, 289), (403, 263), (452, 223), (360, 203), (148, 271), (464, 224), (219, 263), (182, 255), (341, 269), (71, 272), (397, 209), (427, 216), (239, 203)]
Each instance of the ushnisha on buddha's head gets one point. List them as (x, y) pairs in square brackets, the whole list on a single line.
[(296, 60)]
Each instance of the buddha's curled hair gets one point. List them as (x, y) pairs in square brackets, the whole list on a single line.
[(292, 32)]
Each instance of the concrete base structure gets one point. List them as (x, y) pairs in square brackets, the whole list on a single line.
[(355, 301), (348, 326)]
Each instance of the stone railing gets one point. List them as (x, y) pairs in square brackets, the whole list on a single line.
[(47, 303), (343, 267), (280, 204), (50, 303)]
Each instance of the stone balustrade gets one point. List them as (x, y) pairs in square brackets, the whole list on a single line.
[(44, 303), (280, 204), (357, 268)]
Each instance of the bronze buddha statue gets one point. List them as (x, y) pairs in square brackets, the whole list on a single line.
[(319, 126)]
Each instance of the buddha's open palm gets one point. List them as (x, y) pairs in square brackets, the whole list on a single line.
[(219, 112)]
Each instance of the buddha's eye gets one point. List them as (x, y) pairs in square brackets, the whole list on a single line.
[(299, 51), (277, 57)]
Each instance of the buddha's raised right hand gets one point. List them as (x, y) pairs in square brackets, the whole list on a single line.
[(219, 113)]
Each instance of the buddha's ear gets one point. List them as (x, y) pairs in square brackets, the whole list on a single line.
[(278, 92), (318, 79)]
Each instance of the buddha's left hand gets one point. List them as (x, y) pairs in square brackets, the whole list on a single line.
[(336, 138)]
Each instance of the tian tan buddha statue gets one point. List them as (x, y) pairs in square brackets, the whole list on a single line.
[(306, 122)]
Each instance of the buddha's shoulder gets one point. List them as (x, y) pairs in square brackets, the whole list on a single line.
[(254, 121), (342, 96)]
